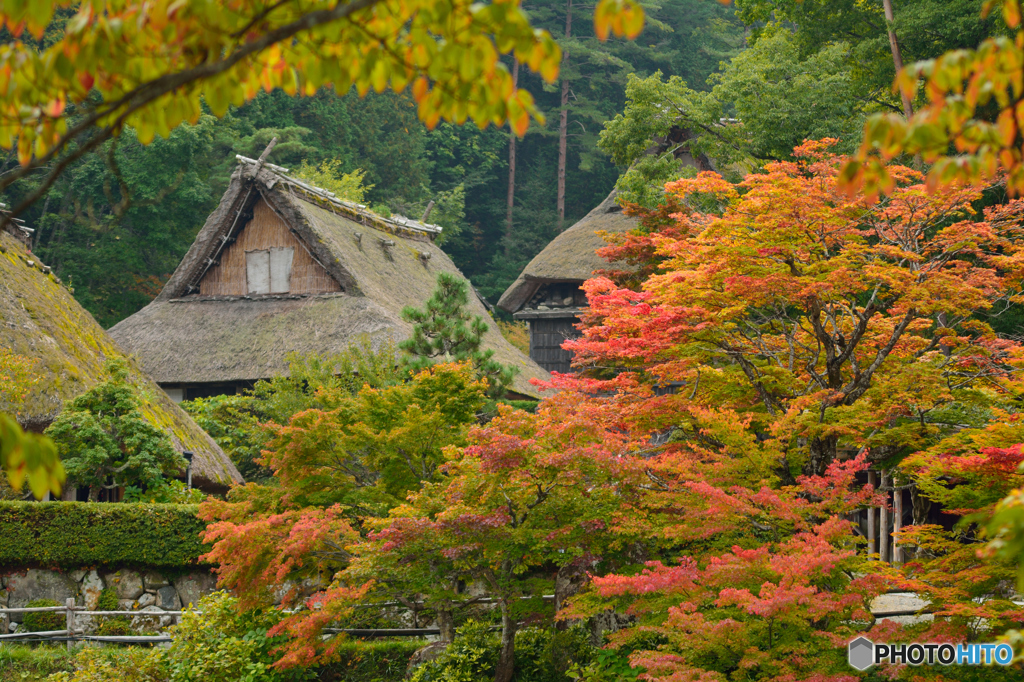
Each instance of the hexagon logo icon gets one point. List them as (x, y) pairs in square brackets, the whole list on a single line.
[(861, 653)]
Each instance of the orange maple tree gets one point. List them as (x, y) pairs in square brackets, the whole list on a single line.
[(822, 321), (781, 336), (528, 493)]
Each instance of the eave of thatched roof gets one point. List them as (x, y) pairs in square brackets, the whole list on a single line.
[(382, 266), (571, 256), (40, 319)]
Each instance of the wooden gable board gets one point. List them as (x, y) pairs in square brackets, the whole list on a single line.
[(286, 265)]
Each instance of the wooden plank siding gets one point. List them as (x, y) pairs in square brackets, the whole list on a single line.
[(265, 231), (546, 338)]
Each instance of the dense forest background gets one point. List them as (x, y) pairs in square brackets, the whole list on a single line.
[(117, 223)]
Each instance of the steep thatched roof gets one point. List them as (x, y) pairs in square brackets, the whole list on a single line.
[(571, 256), (381, 265), (40, 319)]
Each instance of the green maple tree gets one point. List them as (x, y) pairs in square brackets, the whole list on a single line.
[(105, 441)]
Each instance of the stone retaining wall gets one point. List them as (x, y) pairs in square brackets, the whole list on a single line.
[(149, 592)]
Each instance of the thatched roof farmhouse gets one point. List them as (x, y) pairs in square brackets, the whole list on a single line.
[(282, 267), (547, 292), (40, 319)]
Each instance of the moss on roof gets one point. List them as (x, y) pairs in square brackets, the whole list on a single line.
[(40, 319)]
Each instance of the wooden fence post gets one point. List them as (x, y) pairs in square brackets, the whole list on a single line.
[(884, 545), (897, 523), (872, 531), (69, 607)]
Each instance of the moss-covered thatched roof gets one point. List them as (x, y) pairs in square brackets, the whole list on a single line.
[(41, 320), (571, 256), (381, 265)]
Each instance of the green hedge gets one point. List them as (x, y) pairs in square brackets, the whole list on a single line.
[(80, 534)]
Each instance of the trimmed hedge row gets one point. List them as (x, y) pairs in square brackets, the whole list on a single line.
[(79, 534)]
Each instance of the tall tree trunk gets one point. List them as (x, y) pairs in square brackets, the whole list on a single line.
[(568, 582), (511, 168), (446, 624), (897, 57), (823, 453), (897, 524), (563, 121), (506, 660)]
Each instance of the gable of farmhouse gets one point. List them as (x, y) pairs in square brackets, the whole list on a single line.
[(281, 267)]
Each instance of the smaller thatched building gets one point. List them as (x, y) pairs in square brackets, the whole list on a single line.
[(40, 319), (282, 267), (547, 293)]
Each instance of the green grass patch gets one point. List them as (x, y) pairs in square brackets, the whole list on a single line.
[(32, 663)]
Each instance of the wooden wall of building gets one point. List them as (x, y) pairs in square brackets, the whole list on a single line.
[(265, 231), (546, 338)]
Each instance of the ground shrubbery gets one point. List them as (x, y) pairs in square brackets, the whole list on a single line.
[(24, 663), (474, 655), (45, 621), (120, 626), (224, 644), (374, 661)]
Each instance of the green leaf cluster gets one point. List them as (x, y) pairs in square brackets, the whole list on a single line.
[(367, 450), (924, 28), (242, 423), (765, 101), (473, 655), (46, 621), (444, 331), (29, 456), (105, 442), (216, 642), (76, 534), (329, 176), (127, 664)]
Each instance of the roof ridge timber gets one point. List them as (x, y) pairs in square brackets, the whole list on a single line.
[(359, 212), (16, 227)]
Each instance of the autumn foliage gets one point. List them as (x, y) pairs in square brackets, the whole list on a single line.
[(704, 473)]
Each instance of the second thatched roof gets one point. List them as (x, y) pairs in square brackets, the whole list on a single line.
[(380, 265), (571, 256)]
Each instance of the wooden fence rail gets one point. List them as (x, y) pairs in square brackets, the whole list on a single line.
[(69, 635)]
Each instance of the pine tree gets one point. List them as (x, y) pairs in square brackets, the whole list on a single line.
[(105, 442), (445, 331)]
